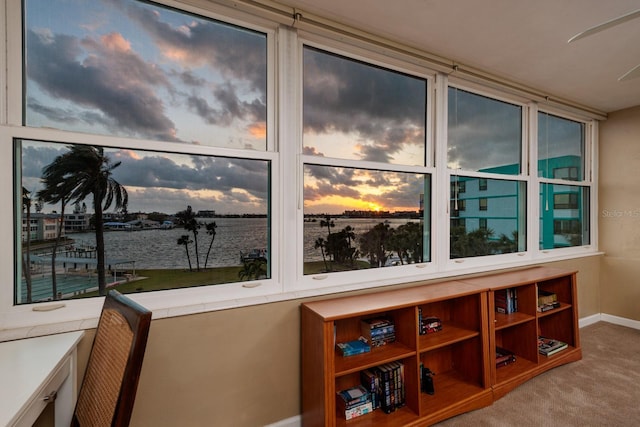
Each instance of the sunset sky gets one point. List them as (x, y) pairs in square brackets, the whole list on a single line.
[(128, 68)]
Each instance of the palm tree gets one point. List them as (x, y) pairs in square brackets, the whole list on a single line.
[(190, 223), (85, 170), (56, 190), (184, 240), (26, 257), (320, 243), (211, 231)]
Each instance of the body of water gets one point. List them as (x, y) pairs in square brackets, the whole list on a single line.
[(158, 248), (153, 249)]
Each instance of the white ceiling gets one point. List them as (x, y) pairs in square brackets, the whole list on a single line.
[(524, 41)]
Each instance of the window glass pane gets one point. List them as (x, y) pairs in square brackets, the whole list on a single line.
[(166, 220), (564, 219), (353, 110), (560, 148), (137, 69), (489, 225), (484, 134), (358, 218)]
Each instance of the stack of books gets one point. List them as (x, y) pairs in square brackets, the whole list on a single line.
[(428, 324), (351, 348), (385, 384), (549, 346), (378, 331), (506, 301), (504, 357), (354, 402), (547, 301)]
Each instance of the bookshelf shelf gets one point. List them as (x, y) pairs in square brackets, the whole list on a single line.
[(462, 355)]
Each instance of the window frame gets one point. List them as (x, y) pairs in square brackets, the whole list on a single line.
[(375, 276), (523, 177), (588, 182)]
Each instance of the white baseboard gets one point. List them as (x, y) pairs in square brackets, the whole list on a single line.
[(622, 321), (603, 317), (589, 320), (585, 321)]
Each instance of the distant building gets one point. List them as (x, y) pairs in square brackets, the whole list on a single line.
[(206, 214), (41, 227), (481, 203)]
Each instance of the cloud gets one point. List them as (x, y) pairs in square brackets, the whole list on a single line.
[(101, 74), (483, 132), (384, 111), (166, 181), (236, 53)]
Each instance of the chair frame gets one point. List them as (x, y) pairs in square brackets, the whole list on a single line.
[(139, 321)]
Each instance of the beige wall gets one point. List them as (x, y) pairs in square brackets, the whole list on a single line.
[(619, 213), (241, 367)]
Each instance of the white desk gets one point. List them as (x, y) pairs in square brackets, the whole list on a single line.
[(34, 371)]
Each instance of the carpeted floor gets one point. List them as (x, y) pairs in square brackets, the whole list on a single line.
[(602, 389)]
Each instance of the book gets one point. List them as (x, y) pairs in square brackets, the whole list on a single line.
[(548, 306), (506, 300), (430, 324), (352, 397), (387, 403), (358, 411), (378, 331), (549, 346), (504, 357), (370, 382), (546, 297), (351, 348)]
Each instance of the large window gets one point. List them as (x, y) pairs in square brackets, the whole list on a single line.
[(357, 216), (163, 213), (485, 138), (564, 208)]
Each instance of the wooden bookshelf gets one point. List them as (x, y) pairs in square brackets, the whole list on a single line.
[(461, 355), (457, 355), (519, 331)]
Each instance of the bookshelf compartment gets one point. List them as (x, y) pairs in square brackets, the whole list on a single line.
[(553, 326), (520, 339), (454, 361)]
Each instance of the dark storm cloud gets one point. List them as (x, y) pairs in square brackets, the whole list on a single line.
[(350, 97), (36, 158), (104, 75), (231, 107), (161, 180), (59, 115), (334, 175), (188, 78), (207, 173), (482, 132), (237, 53)]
